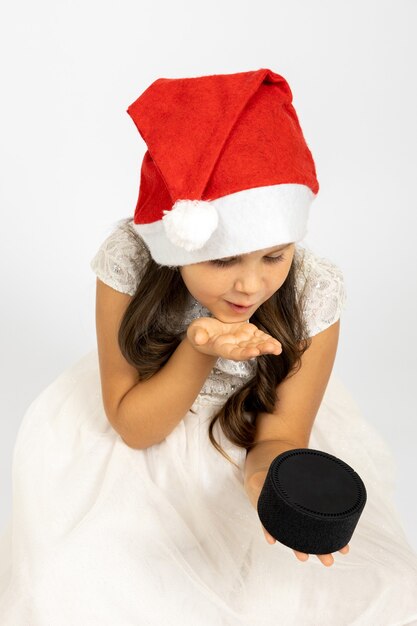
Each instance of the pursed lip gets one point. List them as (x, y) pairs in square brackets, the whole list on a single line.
[(246, 306)]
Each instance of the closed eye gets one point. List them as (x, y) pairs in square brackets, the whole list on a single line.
[(268, 259)]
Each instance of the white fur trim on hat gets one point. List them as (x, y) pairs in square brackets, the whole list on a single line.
[(248, 220)]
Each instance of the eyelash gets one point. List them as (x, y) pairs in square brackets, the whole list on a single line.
[(271, 259)]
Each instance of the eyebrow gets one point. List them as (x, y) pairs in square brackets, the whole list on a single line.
[(285, 245)]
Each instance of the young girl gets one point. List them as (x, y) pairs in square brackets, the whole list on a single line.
[(136, 473)]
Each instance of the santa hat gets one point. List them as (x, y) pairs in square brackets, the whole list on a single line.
[(227, 170)]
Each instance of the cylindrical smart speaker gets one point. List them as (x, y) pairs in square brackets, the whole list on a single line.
[(311, 501)]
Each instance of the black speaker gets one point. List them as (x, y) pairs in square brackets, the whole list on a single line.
[(311, 501)]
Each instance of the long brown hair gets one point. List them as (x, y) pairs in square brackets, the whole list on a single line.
[(147, 345)]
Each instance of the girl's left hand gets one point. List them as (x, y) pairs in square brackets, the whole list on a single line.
[(253, 488)]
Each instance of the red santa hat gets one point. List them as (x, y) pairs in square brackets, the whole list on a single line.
[(227, 170)]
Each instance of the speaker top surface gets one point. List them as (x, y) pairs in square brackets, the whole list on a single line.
[(317, 483)]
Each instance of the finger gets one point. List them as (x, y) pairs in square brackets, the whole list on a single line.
[(276, 350), (243, 351), (270, 348), (270, 344), (259, 346), (248, 344), (268, 536), (326, 559), (265, 337)]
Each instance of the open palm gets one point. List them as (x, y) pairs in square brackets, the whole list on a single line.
[(238, 341)]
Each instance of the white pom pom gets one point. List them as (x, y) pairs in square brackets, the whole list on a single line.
[(190, 223)]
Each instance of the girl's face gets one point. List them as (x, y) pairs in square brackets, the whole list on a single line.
[(249, 279)]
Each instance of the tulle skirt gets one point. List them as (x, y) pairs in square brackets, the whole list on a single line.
[(105, 535)]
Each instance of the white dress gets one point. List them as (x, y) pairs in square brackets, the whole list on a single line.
[(105, 535)]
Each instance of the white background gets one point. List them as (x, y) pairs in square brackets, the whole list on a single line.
[(70, 166)]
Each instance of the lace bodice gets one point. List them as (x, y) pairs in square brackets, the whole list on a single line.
[(120, 261)]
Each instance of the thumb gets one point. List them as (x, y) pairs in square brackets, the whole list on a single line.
[(200, 336)]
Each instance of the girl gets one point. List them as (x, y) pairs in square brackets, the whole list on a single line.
[(136, 473)]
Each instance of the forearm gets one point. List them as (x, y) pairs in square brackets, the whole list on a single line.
[(260, 457), (153, 408)]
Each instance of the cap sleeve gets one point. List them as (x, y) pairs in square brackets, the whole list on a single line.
[(121, 259), (321, 284)]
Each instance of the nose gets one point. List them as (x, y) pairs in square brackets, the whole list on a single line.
[(249, 283)]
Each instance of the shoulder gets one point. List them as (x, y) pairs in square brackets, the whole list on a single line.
[(320, 288), (121, 258)]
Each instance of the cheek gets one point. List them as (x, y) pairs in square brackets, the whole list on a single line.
[(280, 280), (206, 284), (285, 274), (213, 284)]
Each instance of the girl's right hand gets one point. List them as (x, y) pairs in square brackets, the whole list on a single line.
[(239, 341)]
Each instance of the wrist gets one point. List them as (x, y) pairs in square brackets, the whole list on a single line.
[(206, 358), (261, 455), (253, 486)]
